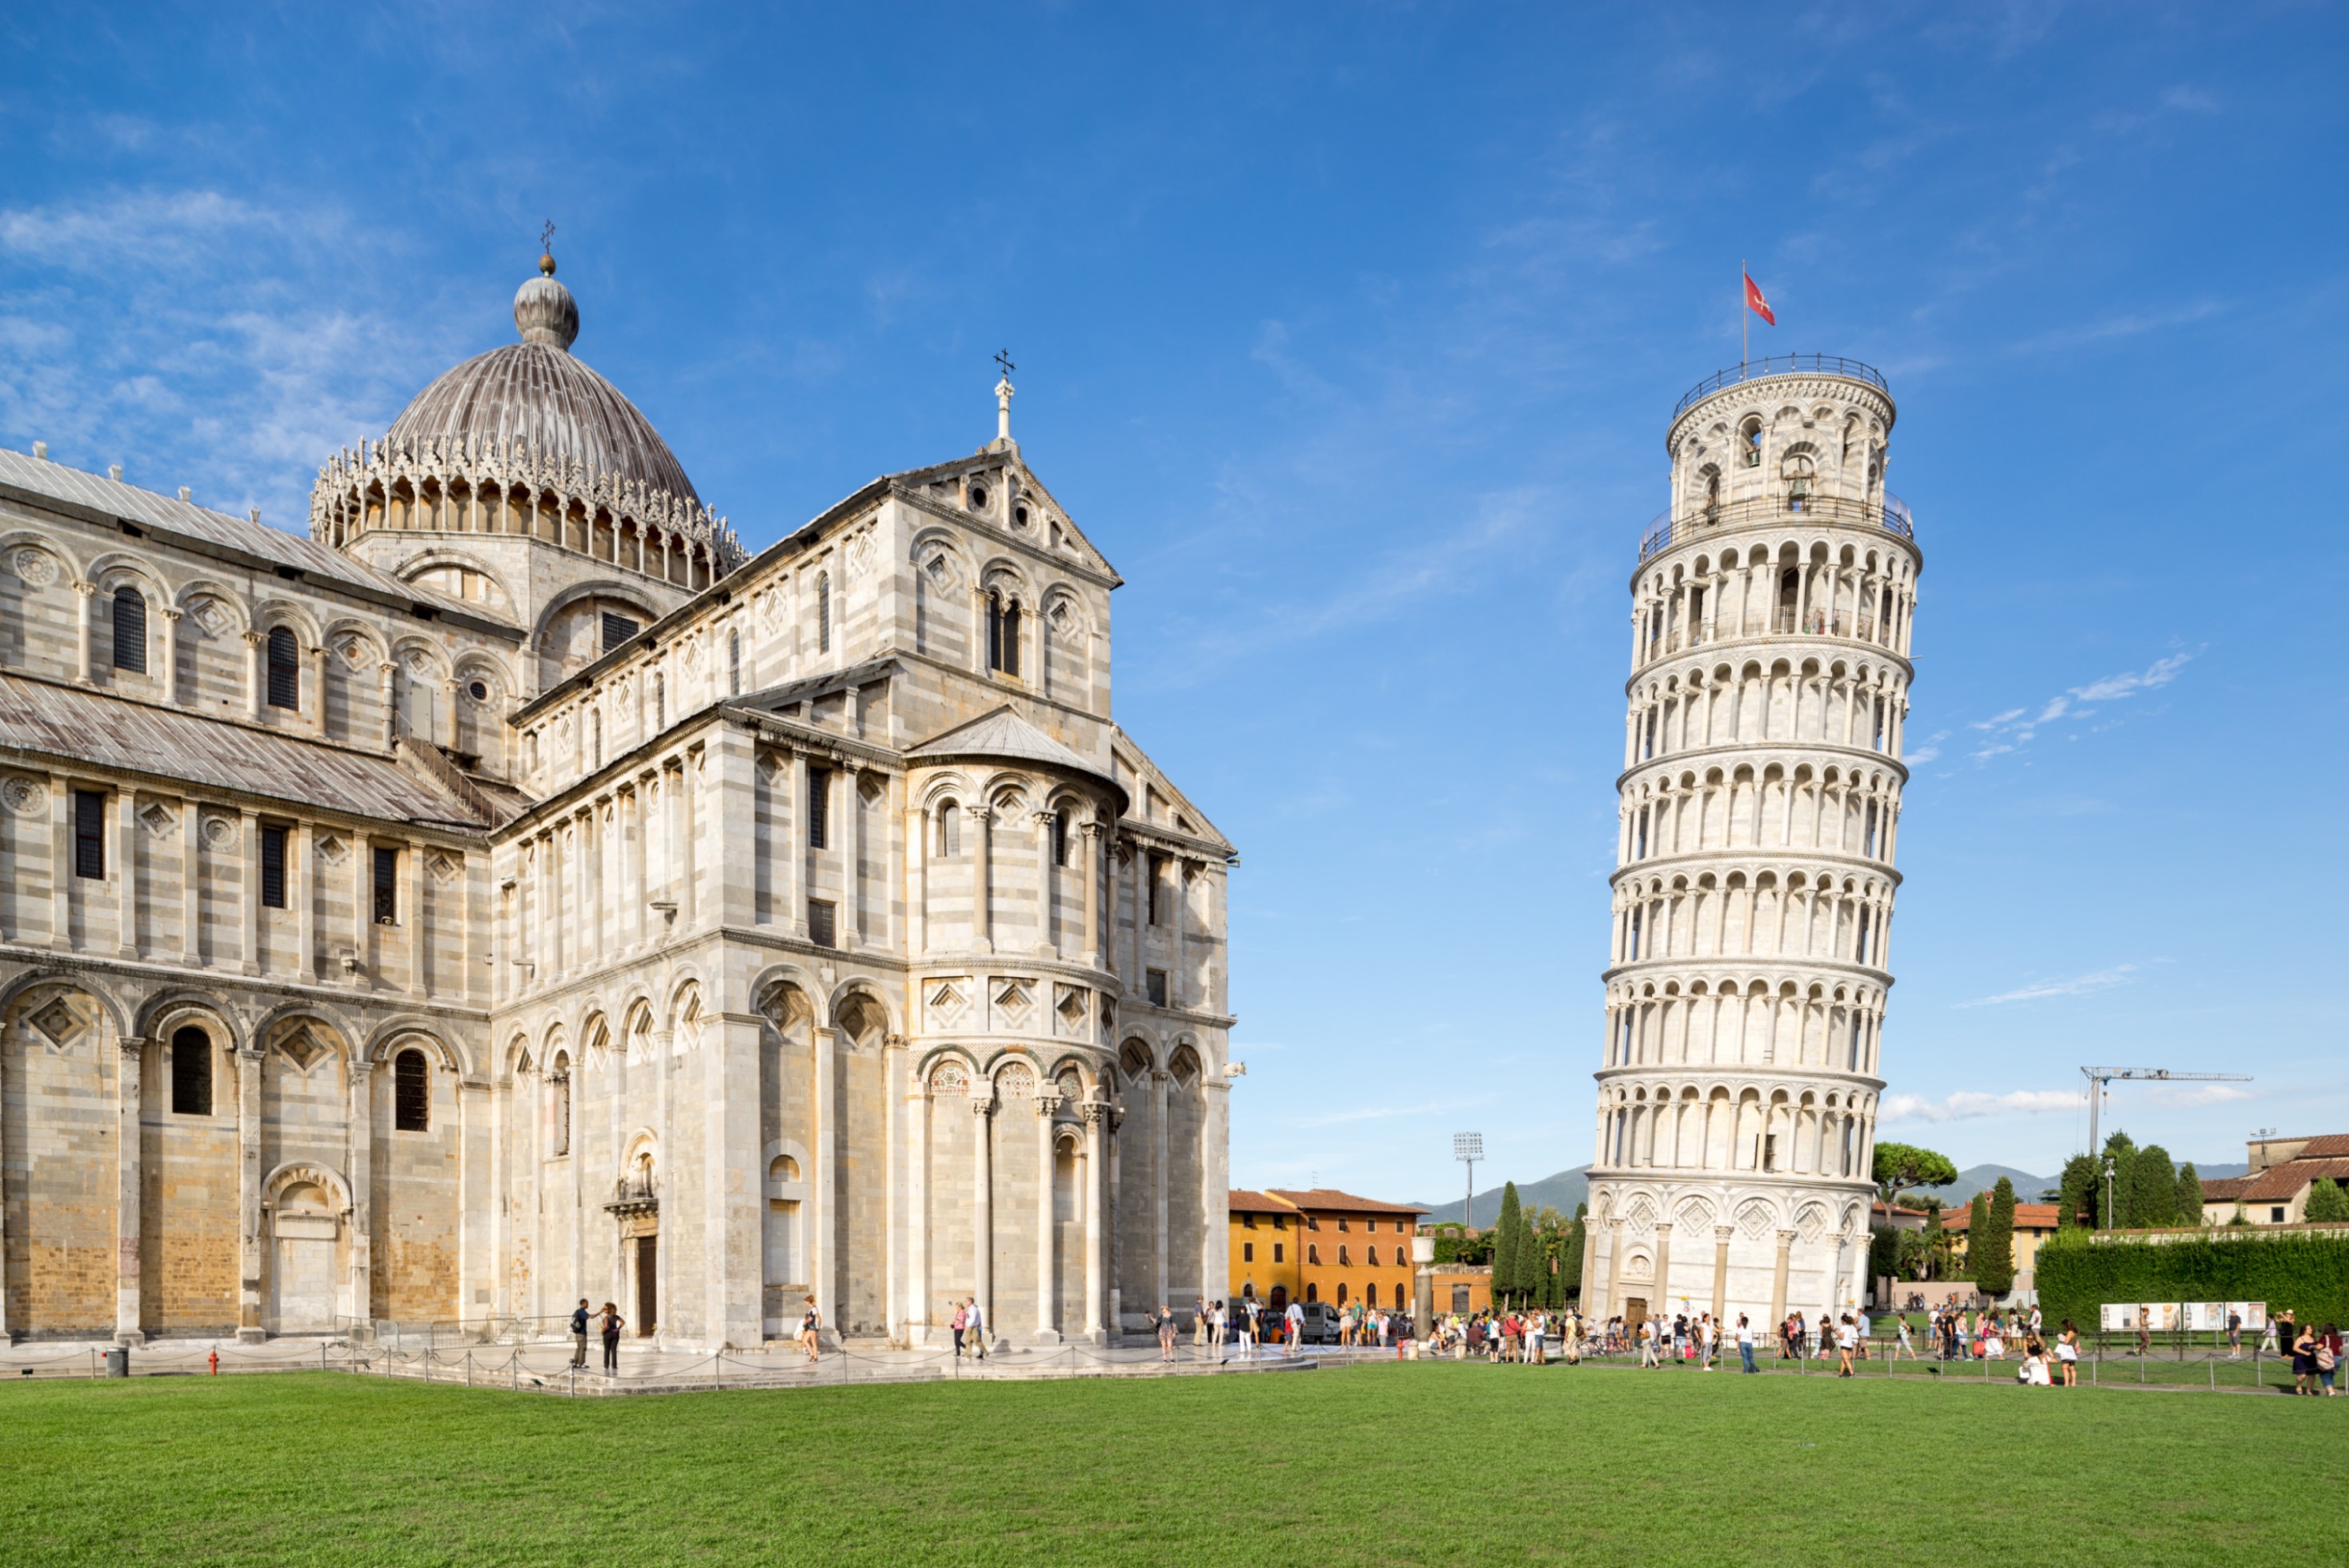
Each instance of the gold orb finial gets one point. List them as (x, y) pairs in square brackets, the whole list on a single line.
[(546, 265), (546, 250)]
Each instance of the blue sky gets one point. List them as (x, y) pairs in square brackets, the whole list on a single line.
[(1350, 335)]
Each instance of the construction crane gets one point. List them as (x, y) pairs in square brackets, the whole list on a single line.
[(2099, 1076)]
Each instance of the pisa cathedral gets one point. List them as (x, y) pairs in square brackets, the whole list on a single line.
[(511, 892), (1754, 884)]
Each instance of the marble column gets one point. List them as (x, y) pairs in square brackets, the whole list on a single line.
[(1047, 1297), (362, 1218), (249, 1329), (982, 1210), (823, 1181), (126, 864), (1663, 1302), (982, 930), (1778, 1281), (1159, 1077), (169, 684), (1095, 1113), (128, 1191), (1046, 874), (1720, 1235), (1090, 835)]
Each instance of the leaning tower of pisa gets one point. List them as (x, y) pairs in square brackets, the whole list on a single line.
[(1752, 893)]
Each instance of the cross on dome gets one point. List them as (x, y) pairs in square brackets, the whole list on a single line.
[(1003, 390)]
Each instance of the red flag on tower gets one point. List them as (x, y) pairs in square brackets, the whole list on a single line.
[(1755, 303)]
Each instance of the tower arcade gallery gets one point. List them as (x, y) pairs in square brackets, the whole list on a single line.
[(511, 892)]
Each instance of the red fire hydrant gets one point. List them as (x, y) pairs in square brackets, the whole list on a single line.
[(215, 1359)]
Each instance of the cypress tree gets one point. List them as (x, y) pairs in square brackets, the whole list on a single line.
[(1977, 1225), (1569, 1255), (2077, 1203), (1504, 1242), (2153, 1197), (2113, 1211), (1993, 1250), (2189, 1196)]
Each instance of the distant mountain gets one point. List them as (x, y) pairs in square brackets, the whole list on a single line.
[(2027, 1187), (1561, 1192)]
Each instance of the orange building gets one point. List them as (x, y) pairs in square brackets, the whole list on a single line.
[(1320, 1245)]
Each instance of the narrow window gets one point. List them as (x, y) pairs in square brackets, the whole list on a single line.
[(1155, 984), (1158, 889), (618, 629), (1278, 1248), (273, 867), (89, 833), (387, 888), (284, 670), (949, 831), (1869, 846), (822, 930), (130, 630), (824, 612), (994, 630), (1011, 639), (1060, 838), (191, 1073), (411, 1105), (1313, 1254), (818, 804), (1770, 1152), (1343, 1260), (1247, 1252), (1371, 1257), (1752, 432), (734, 663)]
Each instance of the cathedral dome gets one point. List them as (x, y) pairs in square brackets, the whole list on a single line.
[(536, 393)]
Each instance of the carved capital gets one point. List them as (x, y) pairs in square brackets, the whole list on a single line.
[(1093, 1111), (1046, 1105), (982, 1106)]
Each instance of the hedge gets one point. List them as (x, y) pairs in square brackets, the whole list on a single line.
[(2307, 1270)]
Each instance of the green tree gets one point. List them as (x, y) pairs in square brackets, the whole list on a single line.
[(1504, 1242), (1977, 1221), (2327, 1203), (2115, 1183), (1992, 1247), (2153, 1197), (1883, 1252), (1901, 1165), (1533, 1257), (2075, 1200), (1569, 1258), (1940, 1246), (2189, 1196), (1915, 1258)]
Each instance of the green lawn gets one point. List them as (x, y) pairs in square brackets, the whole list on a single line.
[(1386, 1464)]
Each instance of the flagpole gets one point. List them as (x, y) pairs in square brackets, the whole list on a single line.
[(1744, 328)]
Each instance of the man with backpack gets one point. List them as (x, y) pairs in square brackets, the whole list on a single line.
[(579, 1334)]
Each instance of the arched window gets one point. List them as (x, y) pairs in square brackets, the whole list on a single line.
[(1002, 634), (191, 1073), (824, 612), (130, 630), (950, 830), (558, 1107), (1061, 837), (411, 1093), (1797, 472), (1371, 1256), (1343, 1260), (1342, 1293), (1313, 1290), (1748, 437), (284, 670), (1313, 1253), (1711, 494)]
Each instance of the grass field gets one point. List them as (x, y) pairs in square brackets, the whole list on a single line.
[(1385, 1464)]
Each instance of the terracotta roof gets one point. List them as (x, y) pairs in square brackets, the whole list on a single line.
[(2281, 1183), (2027, 1217), (1240, 1200), (2329, 1146), (2224, 1188), (1331, 1200)]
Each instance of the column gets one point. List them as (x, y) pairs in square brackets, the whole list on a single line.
[(388, 674), (1090, 836), (191, 896), (61, 862), (918, 882), (249, 954), (1096, 1168), (1663, 1302), (362, 923), (1720, 1235), (318, 692), (411, 856), (126, 862), (256, 693), (1158, 1080), (639, 888), (1046, 873), (982, 1208), (795, 849), (893, 1314), (86, 606), (1177, 980), (248, 1200), (823, 1183), (170, 671), (362, 1180), (852, 850), (126, 1194), (688, 870), (917, 1216), (982, 931), (301, 854), (1047, 1297), (1778, 1281), (1612, 1301)]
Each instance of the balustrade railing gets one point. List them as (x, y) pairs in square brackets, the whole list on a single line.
[(1782, 365), (1892, 515)]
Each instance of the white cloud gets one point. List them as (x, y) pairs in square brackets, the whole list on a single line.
[(2075, 985), (1971, 1105), (2014, 729), (2187, 1095)]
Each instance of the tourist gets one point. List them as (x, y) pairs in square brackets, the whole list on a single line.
[(1293, 1329), (1165, 1332), (1199, 1323), (612, 1324), (2033, 1373), (1746, 1343), (1847, 1341), (975, 1320), (810, 1323), (2234, 1335), (1903, 1342), (579, 1333), (2328, 1357), (2303, 1361), (1993, 1346), (1648, 1343), (2068, 1354), (2267, 1337), (1866, 1329), (960, 1323), (1251, 1327)]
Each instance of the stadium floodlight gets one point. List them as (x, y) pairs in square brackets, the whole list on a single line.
[(1468, 1148)]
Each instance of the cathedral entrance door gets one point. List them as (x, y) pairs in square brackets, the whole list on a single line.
[(1635, 1312), (302, 1263), (647, 1281)]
